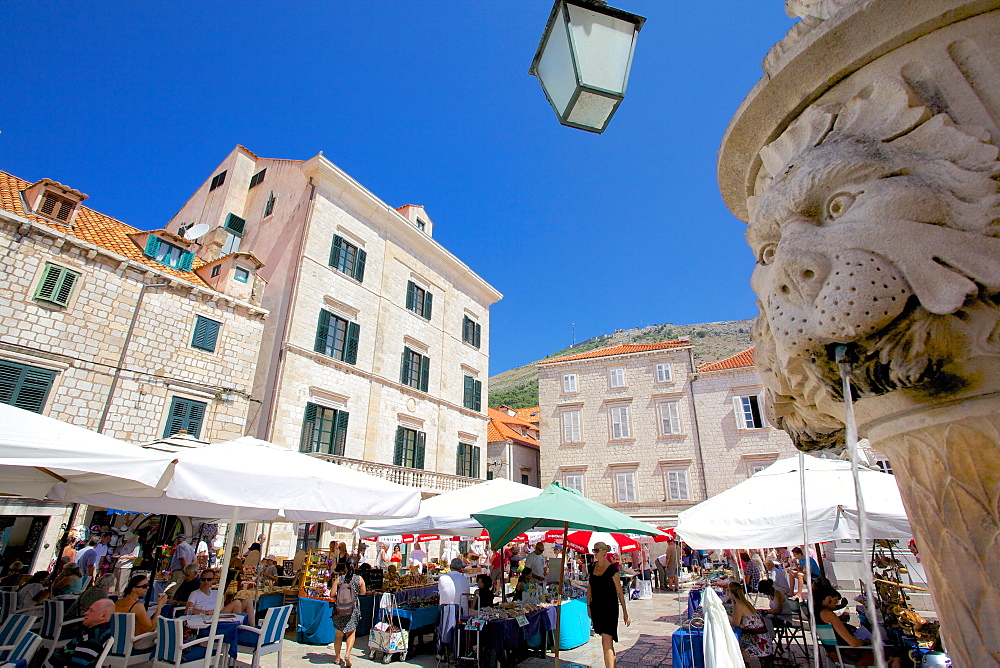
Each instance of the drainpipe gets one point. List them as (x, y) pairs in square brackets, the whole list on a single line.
[(697, 431), (510, 460), (121, 358)]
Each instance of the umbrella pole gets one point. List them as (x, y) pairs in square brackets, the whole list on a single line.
[(562, 579), (223, 573)]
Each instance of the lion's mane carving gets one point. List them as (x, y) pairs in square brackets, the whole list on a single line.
[(875, 224)]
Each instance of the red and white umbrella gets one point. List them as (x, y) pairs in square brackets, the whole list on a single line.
[(669, 536), (583, 541)]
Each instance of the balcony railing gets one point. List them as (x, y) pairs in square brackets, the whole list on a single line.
[(426, 481)]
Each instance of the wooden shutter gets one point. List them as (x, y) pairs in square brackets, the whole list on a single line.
[(269, 207), (404, 369), (323, 332), (460, 460), (741, 421), (187, 259), (397, 457), (763, 413), (185, 415), (65, 290), (479, 331), (425, 372), (24, 386), (56, 285), (351, 349), (359, 265), (335, 251), (465, 329), (478, 398), (152, 246), (476, 456), (428, 302), (236, 224), (308, 429), (340, 434), (206, 334), (468, 391), (49, 202), (418, 453), (411, 295)]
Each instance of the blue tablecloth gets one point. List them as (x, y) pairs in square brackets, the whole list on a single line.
[(574, 624), (228, 631), (505, 634), (414, 619), (688, 651), (694, 602), (316, 622)]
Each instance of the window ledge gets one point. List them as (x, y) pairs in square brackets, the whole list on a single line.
[(671, 437), (615, 441), (573, 443)]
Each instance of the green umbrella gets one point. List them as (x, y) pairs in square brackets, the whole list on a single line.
[(557, 507)]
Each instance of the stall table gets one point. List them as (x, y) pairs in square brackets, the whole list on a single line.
[(316, 614), (502, 637), (688, 651)]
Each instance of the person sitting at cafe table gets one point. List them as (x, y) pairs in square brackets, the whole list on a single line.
[(34, 591), (202, 600), (269, 573), (180, 594), (87, 644), (68, 581), (826, 602), (132, 602)]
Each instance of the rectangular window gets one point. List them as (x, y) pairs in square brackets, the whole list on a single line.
[(573, 481), (677, 485), (168, 254), (23, 386), (670, 418), (410, 445), (468, 460), (415, 370), (206, 333), (884, 465), (235, 224), (257, 179), (471, 331), (418, 300), (472, 394), (749, 412), (625, 486), (571, 427), (620, 427), (324, 430), (421, 225), (348, 258), (242, 275), (663, 373), (56, 207), (216, 270), (218, 180), (269, 206), (569, 382), (753, 469), (337, 338), (616, 378), (525, 479), (56, 286), (185, 415)]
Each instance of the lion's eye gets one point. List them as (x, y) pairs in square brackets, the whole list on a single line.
[(766, 254), (837, 205)]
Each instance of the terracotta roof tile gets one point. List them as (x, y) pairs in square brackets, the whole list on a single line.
[(738, 361), (623, 349), (498, 429), (97, 228), (529, 414)]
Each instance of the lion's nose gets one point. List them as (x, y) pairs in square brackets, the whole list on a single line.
[(799, 276)]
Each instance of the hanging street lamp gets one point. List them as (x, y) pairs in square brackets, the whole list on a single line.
[(583, 61)]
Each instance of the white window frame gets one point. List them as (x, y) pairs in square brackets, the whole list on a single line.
[(678, 485), (573, 481), (569, 383), (625, 491), (670, 418), (664, 373), (884, 465), (744, 413), (616, 377), (755, 467), (571, 426), (621, 427)]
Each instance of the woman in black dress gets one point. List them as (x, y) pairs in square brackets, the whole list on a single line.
[(604, 595)]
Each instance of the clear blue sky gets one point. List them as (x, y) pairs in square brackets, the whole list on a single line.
[(426, 102)]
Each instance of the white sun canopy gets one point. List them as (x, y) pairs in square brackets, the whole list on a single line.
[(38, 452), (765, 510), (266, 482), (450, 514)]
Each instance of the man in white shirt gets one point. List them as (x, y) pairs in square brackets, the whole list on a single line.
[(453, 592), (202, 600), (417, 556), (103, 550), (86, 558), (183, 555), (537, 563), (128, 553)]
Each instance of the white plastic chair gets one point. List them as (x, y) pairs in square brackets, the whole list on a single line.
[(123, 652), (170, 645), (13, 630), (24, 649), (270, 635), (53, 622), (827, 637)]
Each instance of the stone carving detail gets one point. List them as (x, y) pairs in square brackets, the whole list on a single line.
[(820, 9), (812, 13), (875, 224)]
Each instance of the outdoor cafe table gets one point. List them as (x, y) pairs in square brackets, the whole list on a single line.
[(229, 630)]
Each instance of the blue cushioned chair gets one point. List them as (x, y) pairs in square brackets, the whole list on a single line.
[(268, 637)]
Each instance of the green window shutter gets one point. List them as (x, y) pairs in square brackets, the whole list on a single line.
[(460, 460), (468, 391), (323, 332), (308, 429), (187, 259), (411, 295), (206, 334), (186, 415), (48, 286), (235, 224), (418, 455), (359, 265), (475, 461), (269, 207), (428, 301), (404, 369), (65, 289), (425, 372), (152, 246), (477, 399), (351, 350), (340, 434), (23, 386), (335, 250), (397, 457), (479, 331), (465, 329)]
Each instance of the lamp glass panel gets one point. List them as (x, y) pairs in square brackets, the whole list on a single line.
[(591, 110), (555, 67), (603, 48)]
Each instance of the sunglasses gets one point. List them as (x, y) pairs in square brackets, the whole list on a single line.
[(208, 579), (142, 586)]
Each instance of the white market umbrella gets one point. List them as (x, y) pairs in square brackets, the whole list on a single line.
[(38, 452), (450, 514), (766, 509)]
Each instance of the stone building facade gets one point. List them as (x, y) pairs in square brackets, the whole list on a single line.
[(513, 447), (376, 353), (118, 330)]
